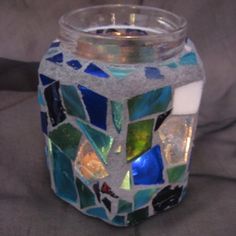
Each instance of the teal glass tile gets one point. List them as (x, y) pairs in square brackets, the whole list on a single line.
[(117, 115), (98, 212), (119, 72), (137, 216), (119, 220), (149, 103), (172, 65), (124, 206), (41, 101), (142, 197), (176, 173), (92, 69), (188, 59)]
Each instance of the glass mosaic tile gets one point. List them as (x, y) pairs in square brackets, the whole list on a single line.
[(118, 150), (75, 64), (67, 138), (86, 196), (117, 115), (97, 191), (136, 32), (188, 59), (161, 118), (107, 203), (55, 109), (72, 101), (137, 216), (139, 138), (148, 168), (142, 197), (92, 69), (124, 206), (126, 183), (176, 135), (44, 122), (63, 175), (119, 72), (119, 220), (149, 103), (172, 65), (176, 173), (107, 189), (153, 73), (88, 163), (166, 198), (40, 98), (55, 44), (45, 80), (96, 106), (58, 58), (97, 212)]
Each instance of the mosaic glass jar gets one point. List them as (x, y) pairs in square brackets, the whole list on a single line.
[(119, 92)]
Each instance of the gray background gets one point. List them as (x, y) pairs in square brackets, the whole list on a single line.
[(28, 206)]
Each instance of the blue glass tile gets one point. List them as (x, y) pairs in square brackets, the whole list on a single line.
[(72, 101), (119, 220), (188, 59), (58, 58), (55, 44), (161, 118), (40, 98), (153, 73), (55, 109), (98, 212), (172, 65), (44, 122), (75, 64), (45, 80), (117, 115), (142, 197), (100, 142), (149, 103), (96, 106), (148, 168), (92, 69), (120, 73), (63, 175)]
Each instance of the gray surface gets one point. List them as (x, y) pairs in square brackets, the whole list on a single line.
[(29, 207)]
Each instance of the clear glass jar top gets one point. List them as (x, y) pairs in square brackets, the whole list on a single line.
[(123, 34)]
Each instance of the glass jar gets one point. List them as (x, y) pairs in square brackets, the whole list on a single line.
[(119, 92)]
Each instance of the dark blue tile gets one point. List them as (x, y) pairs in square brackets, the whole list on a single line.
[(55, 44), (45, 80), (75, 64), (58, 58), (92, 69), (44, 122), (153, 73)]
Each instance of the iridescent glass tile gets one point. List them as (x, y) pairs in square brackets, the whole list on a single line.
[(45, 80), (107, 203), (120, 73), (72, 101), (67, 138), (176, 173), (139, 138), (117, 115), (126, 183), (97, 212), (92, 69), (137, 216), (148, 168), (142, 197), (124, 206), (55, 109), (63, 175), (119, 220), (149, 103), (44, 122), (107, 190), (58, 58), (100, 142), (161, 118), (188, 59), (96, 106), (153, 73), (86, 196), (75, 64)]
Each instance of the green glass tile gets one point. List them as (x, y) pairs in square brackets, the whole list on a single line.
[(72, 101), (67, 138), (100, 142), (119, 72), (142, 197), (86, 196), (124, 206), (117, 114), (119, 220), (176, 173), (137, 216), (126, 183), (139, 138)]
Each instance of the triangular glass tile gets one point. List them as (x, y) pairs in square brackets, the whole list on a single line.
[(92, 69), (86, 196), (119, 220), (100, 142), (188, 59), (149, 103), (53, 99), (124, 206), (161, 118), (136, 32), (67, 138), (107, 203), (44, 122), (176, 173), (75, 64), (137, 216), (118, 150), (142, 197), (126, 183), (88, 163), (45, 80), (40, 98), (96, 106), (117, 115), (97, 191), (55, 44), (153, 73), (139, 138), (63, 175), (172, 65), (107, 189), (58, 58), (119, 72), (148, 168), (97, 212), (72, 101)]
